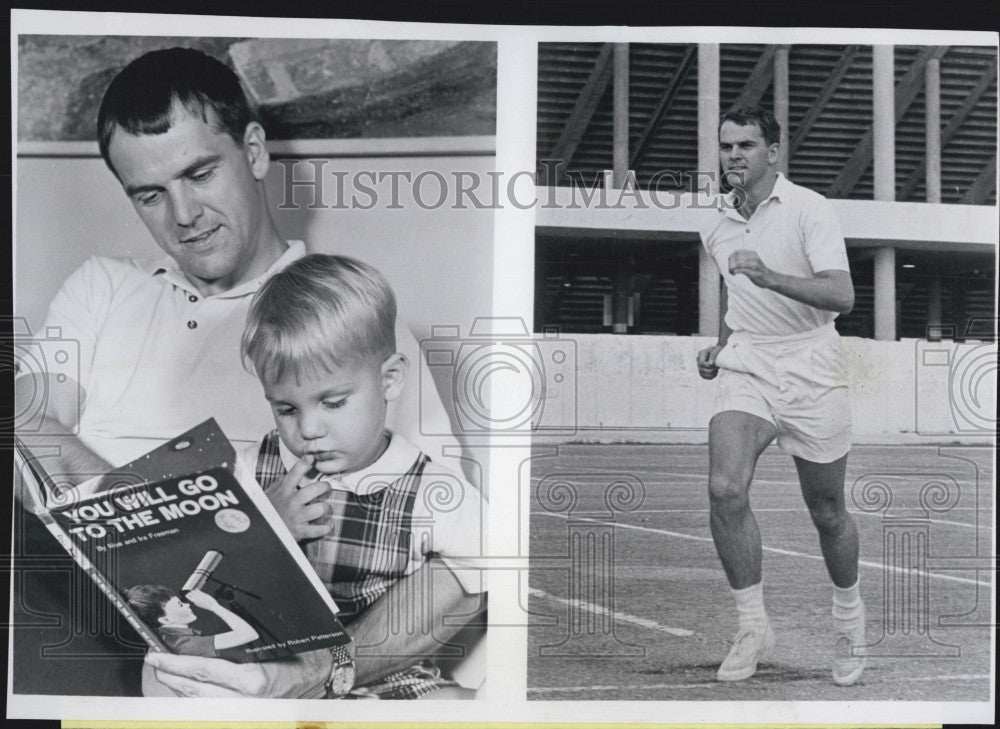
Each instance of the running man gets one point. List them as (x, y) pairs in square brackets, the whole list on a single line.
[(778, 360)]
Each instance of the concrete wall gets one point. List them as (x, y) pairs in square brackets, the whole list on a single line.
[(863, 222), (439, 260), (647, 389)]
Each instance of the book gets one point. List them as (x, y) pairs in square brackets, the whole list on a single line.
[(195, 561)]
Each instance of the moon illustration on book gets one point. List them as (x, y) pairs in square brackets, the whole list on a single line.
[(233, 521)]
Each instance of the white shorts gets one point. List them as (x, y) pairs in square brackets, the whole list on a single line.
[(796, 382)]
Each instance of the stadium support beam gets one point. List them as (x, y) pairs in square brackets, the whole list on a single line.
[(816, 108), (883, 130), (709, 282), (983, 185), (619, 299), (664, 103), (781, 104), (932, 127), (885, 294), (954, 124), (586, 105), (709, 294), (905, 92), (883, 154), (934, 307), (619, 134), (758, 80)]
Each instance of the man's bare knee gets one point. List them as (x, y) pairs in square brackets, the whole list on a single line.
[(829, 516), (728, 494)]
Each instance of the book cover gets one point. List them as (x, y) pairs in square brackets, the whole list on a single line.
[(197, 563)]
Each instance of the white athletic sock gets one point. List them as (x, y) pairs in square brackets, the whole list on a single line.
[(847, 603), (750, 606)]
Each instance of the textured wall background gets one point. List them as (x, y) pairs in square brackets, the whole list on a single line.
[(646, 389), (304, 88)]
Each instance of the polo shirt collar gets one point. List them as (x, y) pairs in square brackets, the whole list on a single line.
[(396, 461), (167, 266), (779, 192), (782, 186)]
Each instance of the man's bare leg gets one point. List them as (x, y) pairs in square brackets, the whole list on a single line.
[(735, 442), (823, 489)]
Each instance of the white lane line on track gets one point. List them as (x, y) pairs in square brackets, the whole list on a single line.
[(800, 510), (710, 684), (623, 617), (932, 521), (775, 550), (953, 677), (644, 687), (602, 476)]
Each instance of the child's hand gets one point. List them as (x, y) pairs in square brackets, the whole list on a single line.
[(202, 600), (302, 509)]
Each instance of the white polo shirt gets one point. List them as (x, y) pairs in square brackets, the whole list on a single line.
[(795, 232), (157, 358)]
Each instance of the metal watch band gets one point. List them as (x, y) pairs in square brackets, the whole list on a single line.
[(341, 678)]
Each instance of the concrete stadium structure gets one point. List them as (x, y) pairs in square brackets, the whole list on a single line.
[(902, 139)]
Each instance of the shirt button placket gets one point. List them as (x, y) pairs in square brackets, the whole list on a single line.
[(192, 323)]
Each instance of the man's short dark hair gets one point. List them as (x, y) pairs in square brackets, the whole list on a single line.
[(765, 121), (148, 601), (140, 98)]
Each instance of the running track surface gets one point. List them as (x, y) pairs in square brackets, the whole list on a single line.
[(669, 618)]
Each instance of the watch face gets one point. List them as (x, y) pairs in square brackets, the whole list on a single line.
[(342, 679)]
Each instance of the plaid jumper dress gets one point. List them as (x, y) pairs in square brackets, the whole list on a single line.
[(365, 553)]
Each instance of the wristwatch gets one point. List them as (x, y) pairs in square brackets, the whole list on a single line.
[(341, 679)]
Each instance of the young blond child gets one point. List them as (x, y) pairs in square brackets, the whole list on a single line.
[(367, 506)]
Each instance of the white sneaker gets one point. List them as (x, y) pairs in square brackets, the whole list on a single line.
[(849, 651), (750, 645)]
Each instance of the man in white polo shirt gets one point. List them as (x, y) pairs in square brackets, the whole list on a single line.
[(159, 344), (778, 361)]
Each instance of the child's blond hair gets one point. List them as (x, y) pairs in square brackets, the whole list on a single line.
[(318, 313)]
